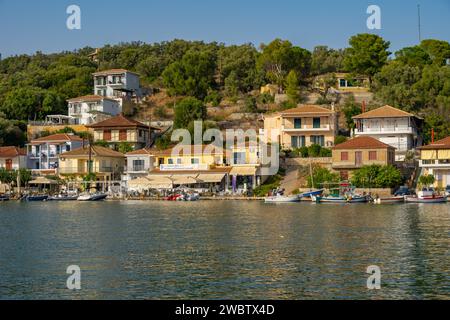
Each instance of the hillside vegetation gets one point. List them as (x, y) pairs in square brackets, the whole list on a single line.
[(415, 79)]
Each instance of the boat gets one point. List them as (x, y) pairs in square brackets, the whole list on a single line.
[(4, 198), (426, 197), (389, 200), (282, 199), (344, 194), (92, 197), (34, 198), (63, 197), (311, 193)]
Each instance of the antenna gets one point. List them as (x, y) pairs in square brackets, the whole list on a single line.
[(420, 27)]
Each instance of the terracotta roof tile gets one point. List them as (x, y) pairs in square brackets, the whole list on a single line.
[(307, 108), (118, 121), (11, 152), (362, 143), (384, 112), (145, 151), (90, 98), (59, 137), (192, 148), (112, 71), (96, 151), (440, 144)]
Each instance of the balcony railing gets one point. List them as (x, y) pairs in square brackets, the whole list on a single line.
[(403, 129), (306, 128), (84, 170), (435, 163)]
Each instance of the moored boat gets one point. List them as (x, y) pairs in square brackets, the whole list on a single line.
[(426, 197), (34, 198), (389, 200), (92, 197), (311, 193), (4, 198), (282, 199), (63, 197), (340, 199)]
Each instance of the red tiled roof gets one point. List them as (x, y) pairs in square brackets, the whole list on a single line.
[(192, 149), (440, 144), (59, 137), (307, 108), (112, 71), (11, 152), (384, 112), (362, 143), (145, 151), (118, 121), (90, 98), (96, 151)]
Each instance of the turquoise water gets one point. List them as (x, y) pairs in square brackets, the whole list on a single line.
[(223, 250)]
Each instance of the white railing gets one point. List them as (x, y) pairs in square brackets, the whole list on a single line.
[(181, 167)]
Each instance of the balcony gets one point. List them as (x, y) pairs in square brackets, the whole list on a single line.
[(84, 170), (385, 130), (183, 167), (441, 163), (306, 128)]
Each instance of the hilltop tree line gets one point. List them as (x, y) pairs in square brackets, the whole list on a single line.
[(414, 78)]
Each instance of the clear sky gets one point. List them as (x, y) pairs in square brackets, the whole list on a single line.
[(29, 26)]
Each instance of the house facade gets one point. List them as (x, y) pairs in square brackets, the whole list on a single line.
[(13, 158), (392, 126), (435, 160), (105, 163), (139, 163), (121, 129), (358, 152), (301, 127), (118, 84), (91, 109), (43, 153)]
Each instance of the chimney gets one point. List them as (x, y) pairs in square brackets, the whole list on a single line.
[(363, 106), (432, 135)]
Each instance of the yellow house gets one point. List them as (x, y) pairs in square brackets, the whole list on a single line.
[(105, 163), (301, 127), (358, 152), (435, 160)]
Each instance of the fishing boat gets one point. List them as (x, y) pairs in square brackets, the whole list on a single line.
[(344, 194), (4, 198), (34, 198), (426, 197), (389, 200), (92, 197), (279, 197), (311, 193)]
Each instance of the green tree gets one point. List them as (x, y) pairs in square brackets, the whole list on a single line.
[(187, 111), (292, 87), (279, 57), (438, 50), (376, 176), (232, 85), (192, 76), (427, 181), (367, 54), (125, 147), (326, 60), (322, 176), (350, 109)]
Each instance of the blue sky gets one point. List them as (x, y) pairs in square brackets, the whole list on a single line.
[(28, 26)]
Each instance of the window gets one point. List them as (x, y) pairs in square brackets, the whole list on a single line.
[(195, 161), (239, 158), (170, 161), (344, 156), (316, 123), (372, 155), (297, 123), (342, 83), (107, 135), (138, 165), (294, 142), (320, 140), (123, 135)]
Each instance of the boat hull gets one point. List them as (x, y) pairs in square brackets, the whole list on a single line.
[(340, 200), (35, 198), (282, 199), (92, 197), (390, 200), (426, 200)]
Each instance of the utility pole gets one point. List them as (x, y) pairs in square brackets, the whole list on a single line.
[(420, 26)]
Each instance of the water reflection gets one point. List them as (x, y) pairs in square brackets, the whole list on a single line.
[(212, 250)]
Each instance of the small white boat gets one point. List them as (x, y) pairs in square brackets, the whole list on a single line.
[(427, 197), (389, 200), (92, 197), (282, 199)]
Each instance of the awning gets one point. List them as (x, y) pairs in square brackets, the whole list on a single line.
[(42, 180), (184, 179), (139, 182), (243, 171), (211, 178)]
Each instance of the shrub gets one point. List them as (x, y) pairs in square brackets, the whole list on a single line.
[(377, 176)]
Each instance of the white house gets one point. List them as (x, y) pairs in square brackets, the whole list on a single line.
[(139, 163), (93, 108), (43, 152), (391, 126), (12, 158), (117, 84)]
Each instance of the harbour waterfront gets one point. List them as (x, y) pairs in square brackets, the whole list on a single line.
[(223, 250)]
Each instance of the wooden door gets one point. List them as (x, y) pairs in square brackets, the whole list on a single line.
[(9, 164), (358, 158)]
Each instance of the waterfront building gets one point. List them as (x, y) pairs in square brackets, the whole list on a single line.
[(435, 160), (119, 84), (202, 167), (13, 158), (121, 129), (43, 152), (106, 164), (92, 108), (392, 126), (301, 127), (358, 152)]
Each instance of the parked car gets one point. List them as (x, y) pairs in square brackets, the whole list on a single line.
[(447, 191), (403, 191)]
